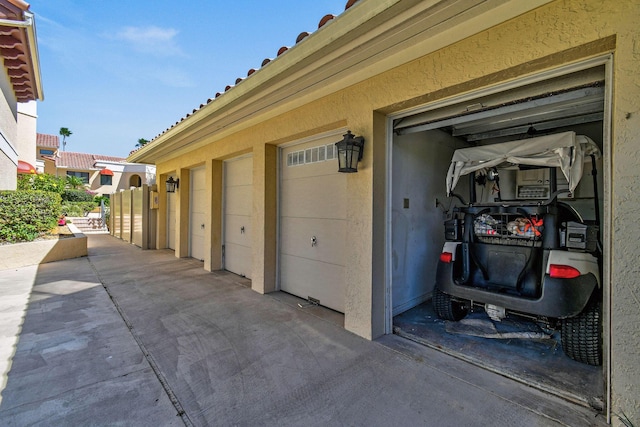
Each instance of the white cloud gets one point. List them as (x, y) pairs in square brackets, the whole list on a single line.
[(152, 40)]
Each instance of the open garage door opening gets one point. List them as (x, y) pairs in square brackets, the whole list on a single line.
[(492, 201)]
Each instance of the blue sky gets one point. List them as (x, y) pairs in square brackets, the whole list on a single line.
[(114, 71)]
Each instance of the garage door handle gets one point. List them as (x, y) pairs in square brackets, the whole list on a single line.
[(202, 226), (242, 230), (314, 241)]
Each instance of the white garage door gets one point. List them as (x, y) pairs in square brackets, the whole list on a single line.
[(313, 223), (238, 204), (171, 220), (197, 213)]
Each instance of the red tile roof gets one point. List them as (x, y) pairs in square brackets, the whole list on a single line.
[(46, 140), (301, 37), (20, 60), (82, 161)]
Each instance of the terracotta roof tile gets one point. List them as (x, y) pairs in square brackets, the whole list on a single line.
[(46, 140), (301, 37), (19, 64), (325, 19), (82, 161)]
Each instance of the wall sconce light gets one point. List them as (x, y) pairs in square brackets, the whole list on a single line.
[(349, 152), (172, 184)]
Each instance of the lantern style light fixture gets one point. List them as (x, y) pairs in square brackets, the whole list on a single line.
[(349, 152), (172, 184)]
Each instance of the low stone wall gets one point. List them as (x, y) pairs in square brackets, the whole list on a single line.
[(43, 251)]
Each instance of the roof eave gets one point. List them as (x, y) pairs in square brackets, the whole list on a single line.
[(35, 56), (366, 38), (27, 30)]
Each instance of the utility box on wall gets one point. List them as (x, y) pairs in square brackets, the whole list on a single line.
[(153, 200)]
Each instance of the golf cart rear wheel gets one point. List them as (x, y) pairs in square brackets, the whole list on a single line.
[(446, 308), (582, 335)]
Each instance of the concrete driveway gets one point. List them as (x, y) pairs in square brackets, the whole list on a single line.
[(132, 337)]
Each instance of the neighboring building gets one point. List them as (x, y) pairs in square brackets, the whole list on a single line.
[(46, 146), (20, 85), (102, 174), (258, 190)]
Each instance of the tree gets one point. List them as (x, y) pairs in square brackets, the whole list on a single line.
[(74, 182), (142, 142), (65, 132)]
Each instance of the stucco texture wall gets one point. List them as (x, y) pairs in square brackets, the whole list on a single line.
[(8, 127), (8, 174), (548, 37), (559, 33)]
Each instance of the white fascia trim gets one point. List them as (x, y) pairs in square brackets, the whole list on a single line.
[(126, 167), (35, 55), (370, 38)]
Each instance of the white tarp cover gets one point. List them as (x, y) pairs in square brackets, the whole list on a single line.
[(564, 150)]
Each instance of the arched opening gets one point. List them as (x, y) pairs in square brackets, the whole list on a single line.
[(135, 181)]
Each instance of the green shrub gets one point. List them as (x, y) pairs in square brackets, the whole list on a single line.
[(70, 195), (41, 182), (77, 208), (106, 199), (25, 215)]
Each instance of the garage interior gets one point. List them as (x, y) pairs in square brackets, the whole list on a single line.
[(422, 146)]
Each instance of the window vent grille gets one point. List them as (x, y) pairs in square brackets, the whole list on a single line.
[(318, 154)]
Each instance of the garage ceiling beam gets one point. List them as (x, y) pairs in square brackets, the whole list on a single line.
[(550, 107), (542, 126)]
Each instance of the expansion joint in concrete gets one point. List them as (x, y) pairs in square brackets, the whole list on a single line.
[(154, 366)]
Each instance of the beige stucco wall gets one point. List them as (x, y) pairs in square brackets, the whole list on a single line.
[(26, 142), (8, 173), (8, 130), (548, 37)]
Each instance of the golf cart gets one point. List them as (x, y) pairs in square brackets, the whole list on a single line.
[(525, 248)]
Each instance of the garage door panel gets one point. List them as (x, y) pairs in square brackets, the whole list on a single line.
[(198, 206), (239, 200), (311, 169), (237, 229), (313, 203), (238, 207), (235, 257), (315, 197), (297, 234), (306, 278), (236, 172), (198, 184)]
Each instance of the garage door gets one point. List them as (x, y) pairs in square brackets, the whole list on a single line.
[(197, 213), (238, 204), (171, 221), (313, 223)]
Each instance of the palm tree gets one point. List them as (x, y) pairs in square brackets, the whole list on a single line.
[(65, 132), (142, 142), (75, 182)]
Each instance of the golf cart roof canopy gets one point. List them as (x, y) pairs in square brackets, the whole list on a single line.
[(566, 150)]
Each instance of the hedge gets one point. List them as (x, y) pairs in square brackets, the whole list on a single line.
[(25, 215), (70, 195)]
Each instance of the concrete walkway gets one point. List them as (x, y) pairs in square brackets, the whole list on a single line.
[(132, 337)]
